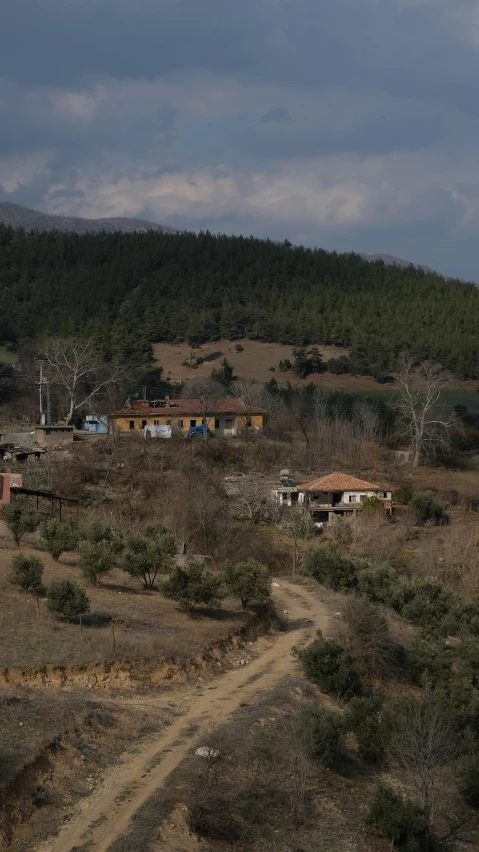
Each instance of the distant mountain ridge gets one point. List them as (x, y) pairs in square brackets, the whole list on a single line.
[(18, 216), (391, 260)]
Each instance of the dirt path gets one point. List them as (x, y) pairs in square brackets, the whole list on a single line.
[(106, 815)]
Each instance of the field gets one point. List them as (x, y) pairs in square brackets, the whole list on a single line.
[(147, 625), (257, 359)]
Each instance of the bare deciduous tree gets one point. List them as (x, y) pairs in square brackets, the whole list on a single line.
[(250, 392), (422, 744), (250, 498), (461, 556), (72, 364), (297, 525), (367, 635), (419, 392), (373, 537), (208, 392), (298, 743)]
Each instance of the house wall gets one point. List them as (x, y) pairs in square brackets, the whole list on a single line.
[(238, 424), (7, 480), (326, 498), (283, 497), (358, 495), (51, 437)]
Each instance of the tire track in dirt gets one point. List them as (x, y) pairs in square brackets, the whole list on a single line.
[(106, 814)]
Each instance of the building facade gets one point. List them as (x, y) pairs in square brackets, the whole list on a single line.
[(227, 417), (339, 494)]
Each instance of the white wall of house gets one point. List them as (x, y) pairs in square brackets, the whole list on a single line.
[(283, 497), (357, 496), (226, 425)]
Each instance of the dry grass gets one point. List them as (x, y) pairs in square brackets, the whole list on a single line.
[(54, 746), (243, 801), (253, 363), (256, 360), (147, 625)]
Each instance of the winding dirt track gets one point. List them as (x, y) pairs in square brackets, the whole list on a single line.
[(106, 814)]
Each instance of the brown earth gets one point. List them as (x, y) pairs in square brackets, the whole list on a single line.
[(147, 625), (256, 361), (107, 813)]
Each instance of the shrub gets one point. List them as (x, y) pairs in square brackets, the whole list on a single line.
[(403, 495), (326, 663), (428, 508), (97, 559), (397, 819), (428, 660), (469, 778), (27, 572), (149, 553), (368, 634), (20, 518), (239, 347), (59, 536), (327, 731), (95, 531), (248, 581), (192, 586), (331, 569), (64, 597), (467, 613), (372, 503), (363, 718), (381, 584), (431, 607), (339, 365)]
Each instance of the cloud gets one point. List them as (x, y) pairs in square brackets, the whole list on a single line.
[(351, 123), (331, 192), (15, 172)]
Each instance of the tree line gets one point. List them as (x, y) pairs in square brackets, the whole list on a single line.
[(127, 291)]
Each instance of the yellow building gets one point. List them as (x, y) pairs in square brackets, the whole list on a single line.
[(225, 417)]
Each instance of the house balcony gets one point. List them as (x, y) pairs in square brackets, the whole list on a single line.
[(316, 506)]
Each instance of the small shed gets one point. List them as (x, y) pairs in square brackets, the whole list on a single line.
[(53, 436)]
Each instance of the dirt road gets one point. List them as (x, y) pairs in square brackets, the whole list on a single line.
[(106, 814)]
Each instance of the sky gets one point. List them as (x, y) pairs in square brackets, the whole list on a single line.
[(347, 124)]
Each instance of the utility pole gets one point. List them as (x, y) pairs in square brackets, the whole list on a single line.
[(49, 404), (40, 385), (45, 417)]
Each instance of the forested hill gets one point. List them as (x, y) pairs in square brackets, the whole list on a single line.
[(128, 290)]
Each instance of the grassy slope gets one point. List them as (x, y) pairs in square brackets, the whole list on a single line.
[(257, 358)]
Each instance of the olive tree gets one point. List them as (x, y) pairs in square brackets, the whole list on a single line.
[(66, 598), (192, 586), (248, 581), (59, 536), (97, 559), (27, 572), (20, 518), (149, 553)]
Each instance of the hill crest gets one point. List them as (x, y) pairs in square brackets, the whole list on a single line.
[(18, 216)]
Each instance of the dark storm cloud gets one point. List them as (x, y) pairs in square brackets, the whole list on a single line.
[(351, 123)]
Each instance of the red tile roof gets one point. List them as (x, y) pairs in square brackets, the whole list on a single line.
[(179, 407), (338, 482)]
